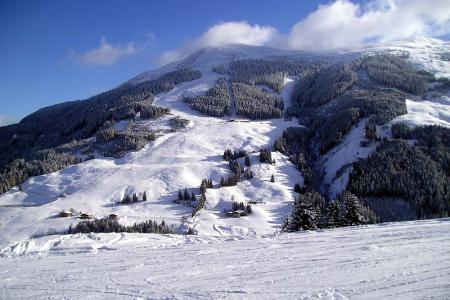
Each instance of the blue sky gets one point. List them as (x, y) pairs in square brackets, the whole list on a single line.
[(54, 51)]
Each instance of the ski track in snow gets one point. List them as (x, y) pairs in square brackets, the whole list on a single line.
[(408, 260)]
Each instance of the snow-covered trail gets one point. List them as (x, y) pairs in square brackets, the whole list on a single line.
[(408, 260)]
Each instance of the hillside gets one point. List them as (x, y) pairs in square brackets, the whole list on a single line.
[(153, 134)]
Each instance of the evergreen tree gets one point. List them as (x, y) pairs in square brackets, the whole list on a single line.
[(307, 212), (265, 156), (180, 195), (186, 195), (135, 198), (353, 210), (272, 179), (333, 214), (203, 187), (144, 196), (247, 161), (227, 155), (126, 199)]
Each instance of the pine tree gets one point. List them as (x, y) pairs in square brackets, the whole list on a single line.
[(144, 196), (307, 212), (227, 155), (203, 186), (193, 198), (354, 215), (126, 199), (286, 225), (186, 195), (265, 156), (272, 179), (333, 214), (247, 162), (351, 211), (135, 198), (180, 195)]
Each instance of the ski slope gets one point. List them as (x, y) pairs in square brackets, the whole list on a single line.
[(182, 159), (230, 257), (408, 260), (173, 161)]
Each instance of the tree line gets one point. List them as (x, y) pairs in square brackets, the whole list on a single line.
[(106, 226), (311, 211)]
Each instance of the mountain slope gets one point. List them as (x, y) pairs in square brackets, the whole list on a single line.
[(174, 161), (183, 158)]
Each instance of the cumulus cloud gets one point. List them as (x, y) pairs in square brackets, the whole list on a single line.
[(7, 120), (106, 54), (339, 24), (223, 34), (344, 24)]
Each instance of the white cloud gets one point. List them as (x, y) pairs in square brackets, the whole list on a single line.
[(7, 120), (339, 24), (106, 54), (236, 32), (223, 34), (344, 24)]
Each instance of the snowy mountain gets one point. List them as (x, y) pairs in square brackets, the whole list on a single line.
[(166, 130)]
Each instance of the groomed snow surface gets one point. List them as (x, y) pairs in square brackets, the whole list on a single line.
[(408, 260)]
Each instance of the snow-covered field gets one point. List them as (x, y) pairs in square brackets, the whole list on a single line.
[(230, 257), (172, 162), (409, 260)]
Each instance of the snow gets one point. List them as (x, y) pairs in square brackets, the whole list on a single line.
[(230, 257), (273, 199), (435, 111), (345, 153), (206, 59), (424, 52), (408, 260), (172, 162), (289, 83)]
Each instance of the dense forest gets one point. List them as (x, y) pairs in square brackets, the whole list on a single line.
[(267, 72), (255, 103), (395, 71), (318, 88), (215, 103), (418, 174), (402, 179)]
